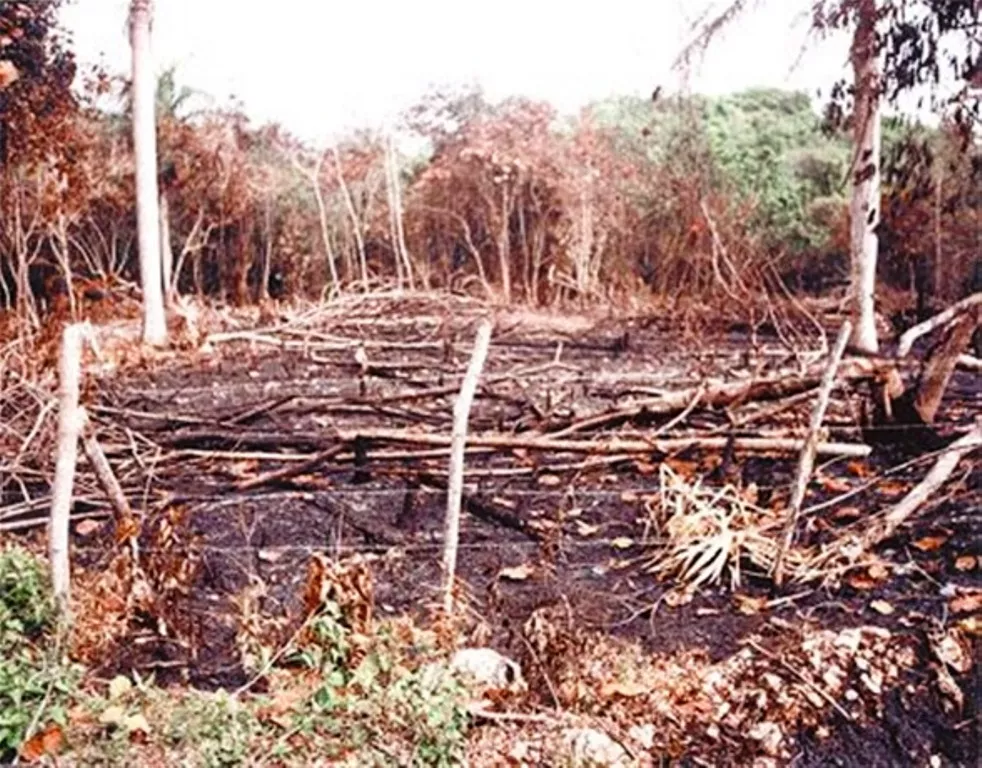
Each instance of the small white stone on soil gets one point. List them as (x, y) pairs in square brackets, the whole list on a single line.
[(487, 668)]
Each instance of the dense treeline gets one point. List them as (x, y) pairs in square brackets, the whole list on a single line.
[(677, 196)]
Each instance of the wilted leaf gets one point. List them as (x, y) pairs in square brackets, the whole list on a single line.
[(750, 606), (929, 543), (858, 468), (46, 743), (847, 514), (676, 597), (87, 527), (878, 571), (861, 581), (953, 650), (834, 484), (516, 572), (969, 603), (682, 467), (891, 489), (585, 529), (882, 607)]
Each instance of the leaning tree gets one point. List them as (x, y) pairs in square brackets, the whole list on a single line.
[(898, 47)]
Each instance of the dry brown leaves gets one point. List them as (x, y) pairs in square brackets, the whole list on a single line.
[(745, 706)]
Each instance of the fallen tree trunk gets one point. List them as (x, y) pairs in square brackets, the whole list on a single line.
[(940, 366), (716, 394), (613, 445)]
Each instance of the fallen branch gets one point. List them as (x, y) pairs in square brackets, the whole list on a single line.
[(716, 394), (614, 445), (935, 478)]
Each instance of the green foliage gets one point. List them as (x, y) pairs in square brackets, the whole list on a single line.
[(219, 729), (34, 685), (419, 707)]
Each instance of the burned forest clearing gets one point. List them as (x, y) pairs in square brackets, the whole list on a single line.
[(368, 416), (626, 496)]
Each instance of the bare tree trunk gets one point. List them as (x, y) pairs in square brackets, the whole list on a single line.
[(504, 237), (267, 251), (355, 226), (455, 488), (325, 231), (145, 147), (166, 251), (864, 207), (70, 420), (390, 184), (402, 251)]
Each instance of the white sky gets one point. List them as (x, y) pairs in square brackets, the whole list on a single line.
[(322, 67)]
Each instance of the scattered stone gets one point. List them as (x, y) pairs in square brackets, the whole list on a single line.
[(487, 668)]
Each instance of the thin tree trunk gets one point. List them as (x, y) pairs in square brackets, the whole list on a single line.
[(70, 420), (864, 207), (145, 147), (350, 205), (455, 488), (166, 251), (806, 461), (325, 232), (504, 257), (393, 229), (403, 251)]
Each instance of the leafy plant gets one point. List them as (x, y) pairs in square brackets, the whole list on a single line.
[(34, 684), (219, 729)]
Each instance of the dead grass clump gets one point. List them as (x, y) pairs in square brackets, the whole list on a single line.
[(703, 535)]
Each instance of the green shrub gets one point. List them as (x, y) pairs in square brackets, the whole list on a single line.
[(34, 685)]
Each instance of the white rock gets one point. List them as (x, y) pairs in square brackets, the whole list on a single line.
[(595, 748), (487, 668)]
